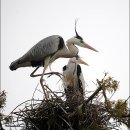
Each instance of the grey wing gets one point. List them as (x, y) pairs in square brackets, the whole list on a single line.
[(42, 49)]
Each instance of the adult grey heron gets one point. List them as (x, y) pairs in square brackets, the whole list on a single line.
[(73, 79), (48, 50)]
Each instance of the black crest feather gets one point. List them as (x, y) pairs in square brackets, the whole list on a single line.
[(77, 35), (75, 28)]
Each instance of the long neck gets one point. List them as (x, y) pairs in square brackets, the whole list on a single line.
[(68, 51)]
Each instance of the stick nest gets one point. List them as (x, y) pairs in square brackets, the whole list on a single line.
[(56, 113)]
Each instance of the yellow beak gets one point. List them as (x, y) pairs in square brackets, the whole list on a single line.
[(80, 61), (89, 47)]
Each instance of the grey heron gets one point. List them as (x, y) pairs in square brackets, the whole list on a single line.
[(73, 79), (48, 50)]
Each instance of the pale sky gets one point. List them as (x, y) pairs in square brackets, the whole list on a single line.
[(104, 24)]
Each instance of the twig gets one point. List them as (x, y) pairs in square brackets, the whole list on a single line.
[(20, 105), (66, 123), (93, 95), (35, 91), (125, 101), (62, 109), (56, 73), (43, 89), (51, 91)]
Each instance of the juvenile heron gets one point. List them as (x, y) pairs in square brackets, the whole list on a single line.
[(73, 79)]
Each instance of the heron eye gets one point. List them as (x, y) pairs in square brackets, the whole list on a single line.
[(79, 37), (64, 68)]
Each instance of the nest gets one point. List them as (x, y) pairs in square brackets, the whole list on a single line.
[(55, 112)]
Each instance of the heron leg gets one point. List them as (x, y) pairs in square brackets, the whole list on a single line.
[(50, 73), (32, 74), (47, 61), (45, 67), (50, 67)]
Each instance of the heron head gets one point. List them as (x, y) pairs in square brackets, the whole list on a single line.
[(77, 60), (78, 40), (80, 61)]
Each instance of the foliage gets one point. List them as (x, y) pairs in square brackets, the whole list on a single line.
[(2, 105), (2, 99)]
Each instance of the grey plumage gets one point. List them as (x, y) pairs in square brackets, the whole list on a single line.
[(43, 48), (39, 52)]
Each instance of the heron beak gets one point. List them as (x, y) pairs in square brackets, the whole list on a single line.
[(85, 45), (80, 61)]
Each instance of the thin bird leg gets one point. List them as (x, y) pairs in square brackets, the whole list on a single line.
[(41, 81), (47, 60), (32, 74), (50, 67), (50, 73)]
